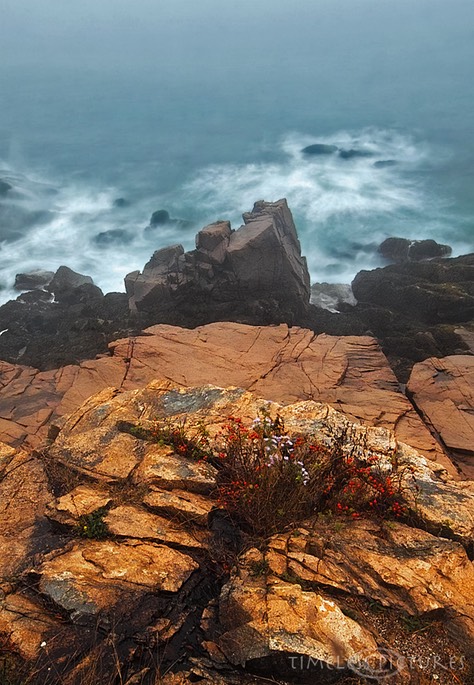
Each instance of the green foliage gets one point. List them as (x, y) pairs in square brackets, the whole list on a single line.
[(259, 568), (93, 526)]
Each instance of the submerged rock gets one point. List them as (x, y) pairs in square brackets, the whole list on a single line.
[(115, 235), (320, 149), (354, 154), (4, 187)]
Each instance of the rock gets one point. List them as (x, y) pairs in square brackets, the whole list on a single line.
[(263, 617), (443, 392), (158, 581), (33, 279), (354, 154), (27, 624), (180, 504), (430, 298), (95, 576), (24, 493), (170, 471), (65, 279), (255, 274), (384, 163), (319, 149), (401, 566), (81, 501), (116, 235), (159, 218), (435, 291), (121, 202), (48, 334), (278, 363), (285, 619), (133, 522), (401, 250), (332, 296), (4, 187)]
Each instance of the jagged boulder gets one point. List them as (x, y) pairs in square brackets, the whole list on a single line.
[(255, 274)]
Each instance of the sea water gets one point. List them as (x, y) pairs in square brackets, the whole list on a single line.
[(215, 116)]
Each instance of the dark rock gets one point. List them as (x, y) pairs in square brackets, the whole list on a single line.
[(4, 187), (395, 249), (33, 280), (436, 291), (385, 163), (121, 202), (414, 308), (32, 296), (84, 293), (351, 154), (332, 296), (254, 275), (402, 250), (116, 235), (159, 218), (48, 335), (427, 249), (319, 149), (65, 279)]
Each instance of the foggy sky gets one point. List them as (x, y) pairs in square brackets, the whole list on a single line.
[(114, 33)]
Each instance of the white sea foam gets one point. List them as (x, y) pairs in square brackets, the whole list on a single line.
[(343, 209)]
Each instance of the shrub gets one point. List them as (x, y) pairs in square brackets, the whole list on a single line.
[(93, 526), (268, 479)]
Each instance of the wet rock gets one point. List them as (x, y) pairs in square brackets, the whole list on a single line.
[(332, 296), (401, 250), (319, 149), (64, 279), (121, 202), (4, 187), (354, 154), (159, 218), (33, 279), (384, 163), (255, 274), (115, 235)]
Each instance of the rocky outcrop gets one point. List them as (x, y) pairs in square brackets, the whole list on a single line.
[(254, 275), (400, 250), (67, 322), (33, 279), (132, 556), (279, 363), (413, 308), (443, 392)]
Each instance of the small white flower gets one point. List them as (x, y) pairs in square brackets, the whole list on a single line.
[(43, 644)]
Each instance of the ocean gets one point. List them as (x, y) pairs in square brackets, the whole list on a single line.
[(213, 114)]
